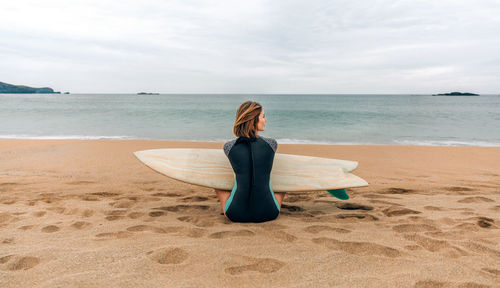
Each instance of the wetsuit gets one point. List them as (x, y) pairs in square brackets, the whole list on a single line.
[(252, 198)]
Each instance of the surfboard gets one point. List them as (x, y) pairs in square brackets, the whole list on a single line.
[(290, 173)]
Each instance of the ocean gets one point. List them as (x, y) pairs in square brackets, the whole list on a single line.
[(303, 119)]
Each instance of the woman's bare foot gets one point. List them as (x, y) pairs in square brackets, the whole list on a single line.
[(223, 195), (279, 196)]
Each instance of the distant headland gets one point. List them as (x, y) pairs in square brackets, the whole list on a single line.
[(145, 93), (456, 94), (9, 88)]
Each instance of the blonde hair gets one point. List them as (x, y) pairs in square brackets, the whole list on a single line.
[(247, 118)]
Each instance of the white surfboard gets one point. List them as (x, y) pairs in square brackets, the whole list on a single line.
[(290, 173)]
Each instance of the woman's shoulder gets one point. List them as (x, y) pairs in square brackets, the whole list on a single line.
[(272, 142), (228, 145)]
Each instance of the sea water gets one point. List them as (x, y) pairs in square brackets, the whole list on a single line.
[(305, 118)]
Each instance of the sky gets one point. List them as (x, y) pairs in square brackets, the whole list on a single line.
[(275, 46)]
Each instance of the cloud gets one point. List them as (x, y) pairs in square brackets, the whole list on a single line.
[(251, 46)]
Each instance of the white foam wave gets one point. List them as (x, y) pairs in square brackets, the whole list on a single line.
[(447, 143), (279, 140), (316, 142), (64, 137)]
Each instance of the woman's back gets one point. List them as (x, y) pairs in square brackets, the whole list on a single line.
[(252, 198)]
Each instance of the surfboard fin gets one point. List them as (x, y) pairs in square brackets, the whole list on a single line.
[(339, 193)]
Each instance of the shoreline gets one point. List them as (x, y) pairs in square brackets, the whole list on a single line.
[(417, 143), (88, 213)]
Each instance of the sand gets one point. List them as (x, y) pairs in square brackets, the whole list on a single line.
[(87, 213)]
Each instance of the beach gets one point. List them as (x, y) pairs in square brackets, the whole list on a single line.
[(87, 213)]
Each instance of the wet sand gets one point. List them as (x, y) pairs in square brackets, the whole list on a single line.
[(87, 213)]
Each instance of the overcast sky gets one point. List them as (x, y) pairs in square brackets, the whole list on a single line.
[(275, 46)]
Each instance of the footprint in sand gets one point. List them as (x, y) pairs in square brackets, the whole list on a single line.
[(135, 215), (434, 245), (344, 217), (123, 204), (231, 234), (15, 262), (355, 217), (186, 209), (50, 229), (8, 241), (65, 211), (194, 198), (315, 229), (142, 228), (261, 265), (87, 213), (414, 228), (296, 198), (26, 227), (169, 255), (105, 194), (80, 225), (194, 232), (393, 190), (48, 198), (269, 226), (282, 235), (449, 235), (115, 235), (292, 208), (381, 195), (353, 206), (331, 201), (161, 194), (31, 202), (491, 271), (413, 247), (485, 222), (357, 248), (297, 211), (59, 210), (90, 197), (479, 248), (398, 211), (198, 221), (481, 223), (150, 199), (115, 214), (457, 189), (385, 202), (477, 199), (156, 213), (133, 198), (179, 230), (8, 201), (39, 213), (467, 227), (433, 208)]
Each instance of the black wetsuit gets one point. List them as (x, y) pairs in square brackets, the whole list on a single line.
[(252, 198)]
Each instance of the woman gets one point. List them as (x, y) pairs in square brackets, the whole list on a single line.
[(251, 156)]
